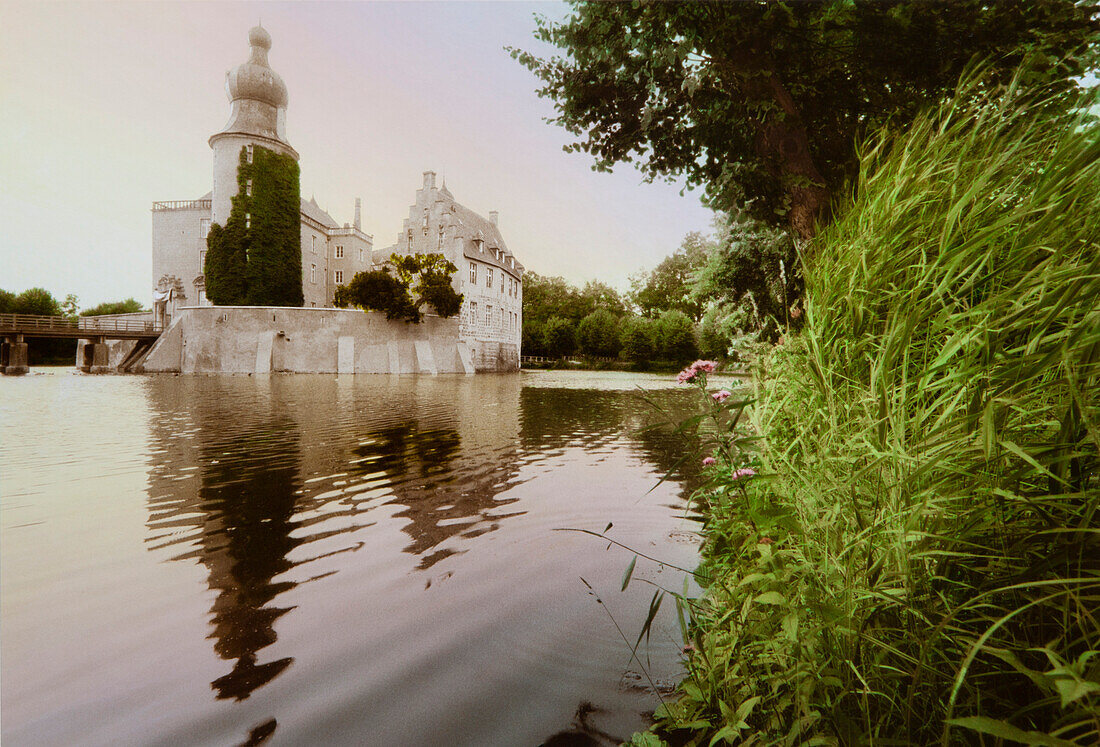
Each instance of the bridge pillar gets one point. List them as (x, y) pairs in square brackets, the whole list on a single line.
[(13, 357), (96, 357)]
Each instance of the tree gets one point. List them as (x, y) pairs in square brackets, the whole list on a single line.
[(129, 306), (378, 290), (668, 286), (598, 334), (596, 295), (675, 337), (638, 340), (426, 275), (7, 302), (754, 266), (560, 337), (36, 301), (761, 103), (547, 297), (71, 306)]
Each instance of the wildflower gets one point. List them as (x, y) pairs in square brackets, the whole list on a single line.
[(686, 376), (765, 541), (707, 366), (796, 311), (720, 396), (689, 648), (707, 461), (743, 472)]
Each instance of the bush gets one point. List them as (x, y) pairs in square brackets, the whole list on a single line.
[(598, 334), (559, 337), (638, 338), (675, 337), (129, 306), (922, 563)]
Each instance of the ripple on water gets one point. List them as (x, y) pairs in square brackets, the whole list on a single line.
[(375, 560)]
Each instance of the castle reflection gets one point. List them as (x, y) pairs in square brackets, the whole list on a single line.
[(265, 481)]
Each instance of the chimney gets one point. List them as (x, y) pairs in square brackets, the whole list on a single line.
[(493, 216), (358, 214), (429, 180)]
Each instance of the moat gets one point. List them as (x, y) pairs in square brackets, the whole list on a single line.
[(336, 560)]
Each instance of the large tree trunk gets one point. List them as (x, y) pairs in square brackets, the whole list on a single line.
[(784, 144)]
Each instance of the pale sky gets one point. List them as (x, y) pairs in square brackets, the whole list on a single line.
[(106, 107)]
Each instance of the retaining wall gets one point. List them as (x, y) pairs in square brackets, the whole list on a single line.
[(260, 339)]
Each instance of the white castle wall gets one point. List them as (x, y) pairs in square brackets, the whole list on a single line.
[(261, 339)]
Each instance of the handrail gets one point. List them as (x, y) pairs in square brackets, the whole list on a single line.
[(32, 322), (182, 205)]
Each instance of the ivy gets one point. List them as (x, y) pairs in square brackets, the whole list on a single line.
[(256, 258)]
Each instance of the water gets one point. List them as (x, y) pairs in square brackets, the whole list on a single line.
[(334, 560)]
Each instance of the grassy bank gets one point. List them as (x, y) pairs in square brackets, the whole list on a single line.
[(917, 558)]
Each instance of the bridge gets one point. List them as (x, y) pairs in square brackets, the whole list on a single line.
[(15, 328)]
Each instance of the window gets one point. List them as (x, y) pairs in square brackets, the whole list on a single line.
[(204, 227), (502, 282), (248, 220), (473, 272), (489, 278), (473, 312), (313, 245), (360, 254), (202, 258), (489, 314), (313, 273), (339, 276), (339, 252), (249, 148), (248, 188)]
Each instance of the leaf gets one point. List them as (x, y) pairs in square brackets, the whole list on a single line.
[(629, 572), (770, 597), (1004, 730)]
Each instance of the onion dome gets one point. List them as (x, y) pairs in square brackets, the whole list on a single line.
[(255, 80)]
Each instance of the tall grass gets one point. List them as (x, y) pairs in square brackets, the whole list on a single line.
[(918, 559)]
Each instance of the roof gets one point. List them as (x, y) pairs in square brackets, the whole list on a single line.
[(472, 226), (312, 210)]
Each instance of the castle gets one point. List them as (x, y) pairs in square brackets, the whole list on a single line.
[(487, 332)]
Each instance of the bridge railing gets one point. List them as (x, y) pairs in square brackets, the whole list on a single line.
[(30, 323)]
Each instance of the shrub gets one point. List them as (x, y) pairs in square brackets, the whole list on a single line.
[(559, 337), (598, 334), (931, 497)]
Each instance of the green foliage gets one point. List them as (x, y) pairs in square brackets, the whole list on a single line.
[(754, 268), (917, 558), (559, 337), (668, 286), (36, 301), (761, 103), (378, 290), (129, 306), (534, 338), (71, 306), (675, 337), (256, 259), (598, 334), (428, 276), (546, 297), (639, 344), (7, 302)]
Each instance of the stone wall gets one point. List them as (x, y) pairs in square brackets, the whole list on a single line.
[(251, 339)]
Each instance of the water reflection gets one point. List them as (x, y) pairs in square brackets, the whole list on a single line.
[(275, 483)]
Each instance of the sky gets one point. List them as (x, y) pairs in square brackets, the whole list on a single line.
[(106, 107)]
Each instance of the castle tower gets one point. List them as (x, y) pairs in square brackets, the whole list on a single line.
[(257, 117)]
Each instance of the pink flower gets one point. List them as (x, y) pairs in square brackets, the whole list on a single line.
[(686, 376), (720, 396), (765, 541), (707, 366), (708, 461), (744, 472)]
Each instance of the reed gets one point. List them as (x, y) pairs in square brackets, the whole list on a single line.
[(917, 560)]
